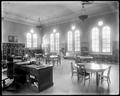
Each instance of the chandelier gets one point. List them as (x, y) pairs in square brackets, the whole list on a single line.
[(83, 16)]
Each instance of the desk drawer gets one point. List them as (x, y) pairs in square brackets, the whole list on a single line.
[(34, 72)]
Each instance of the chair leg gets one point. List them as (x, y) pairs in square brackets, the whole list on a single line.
[(84, 81), (101, 80), (89, 82), (109, 79), (91, 74), (108, 82), (72, 75)]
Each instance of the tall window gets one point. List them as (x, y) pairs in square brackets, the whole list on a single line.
[(106, 39), (95, 39), (44, 42), (29, 40), (70, 41), (57, 41), (52, 42), (73, 39), (101, 41), (34, 40), (77, 40)]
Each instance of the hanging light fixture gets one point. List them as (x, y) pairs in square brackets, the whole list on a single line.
[(39, 23), (83, 16)]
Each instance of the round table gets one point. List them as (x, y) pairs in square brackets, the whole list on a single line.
[(95, 67)]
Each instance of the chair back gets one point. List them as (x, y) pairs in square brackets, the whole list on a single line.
[(81, 69), (77, 60), (109, 71), (73, 67)]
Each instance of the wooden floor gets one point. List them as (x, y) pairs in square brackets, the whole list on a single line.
[(64, 84)]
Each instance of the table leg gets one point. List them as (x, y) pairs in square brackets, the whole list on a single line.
[(97, 79), (3, 83)]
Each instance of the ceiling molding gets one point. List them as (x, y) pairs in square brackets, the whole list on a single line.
[(18, 18), (18, 21)]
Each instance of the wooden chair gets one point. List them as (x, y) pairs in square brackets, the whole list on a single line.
[(81, 72), (106, 76), (73, 69)]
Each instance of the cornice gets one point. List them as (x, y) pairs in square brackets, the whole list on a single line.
[(18, 19)]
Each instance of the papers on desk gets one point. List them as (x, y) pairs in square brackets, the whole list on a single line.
[(53, 56), (38, 66), (31, 76), (22, 63), (35, 84), (85, 57), (17, 60)]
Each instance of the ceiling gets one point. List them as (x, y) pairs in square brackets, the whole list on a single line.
[(50, 12)]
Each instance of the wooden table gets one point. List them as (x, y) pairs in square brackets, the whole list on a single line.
[(54, 58), (42, 73), (87, 58), (95, 67)]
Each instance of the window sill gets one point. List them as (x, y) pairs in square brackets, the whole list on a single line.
[(110, 53)]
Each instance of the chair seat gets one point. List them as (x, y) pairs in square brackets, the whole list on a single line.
[(86, 74), (103, 76)]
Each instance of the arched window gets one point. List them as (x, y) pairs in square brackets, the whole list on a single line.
[(95, 39), (77, 40), (57, 41), (34, 40), (29, 40), (52, 42), (70, 41), (101, 38), (106, 39)]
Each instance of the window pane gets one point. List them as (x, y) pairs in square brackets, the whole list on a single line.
[(29, 40), (95, 39), (106, 39), (57, 41), (70, 39), (52, 42), (77, 40), (34, 40)]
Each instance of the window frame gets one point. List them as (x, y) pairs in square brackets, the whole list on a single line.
[(71, 41), (100, 41), (32, 40)]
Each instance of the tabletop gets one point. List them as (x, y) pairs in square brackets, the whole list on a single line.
[(94, 67), (85, 57), (53, 56)]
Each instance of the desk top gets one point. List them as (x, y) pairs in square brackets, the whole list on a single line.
[(53, 56), (23, 63), (85, 57), (94, 67), (28, 65)]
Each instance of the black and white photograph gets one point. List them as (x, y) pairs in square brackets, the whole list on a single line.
[(60, 47)]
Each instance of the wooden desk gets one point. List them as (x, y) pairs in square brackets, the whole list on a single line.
[(94, 67), (43, 73)]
